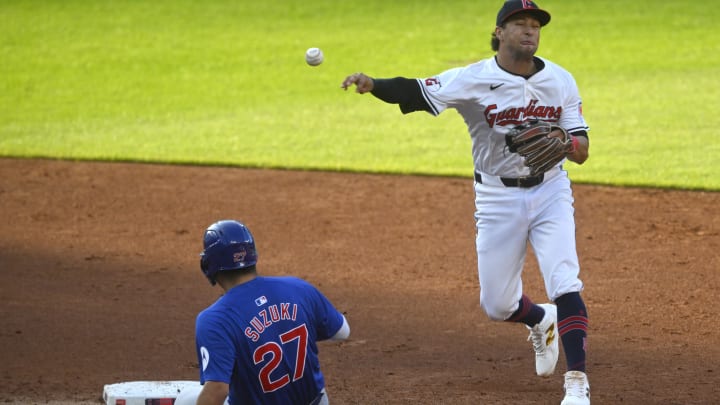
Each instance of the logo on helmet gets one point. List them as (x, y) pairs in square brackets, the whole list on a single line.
[(239, 256)]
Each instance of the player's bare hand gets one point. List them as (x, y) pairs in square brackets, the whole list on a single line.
[(363, 83)]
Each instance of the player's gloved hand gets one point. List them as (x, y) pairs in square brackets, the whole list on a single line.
[(541, 144)]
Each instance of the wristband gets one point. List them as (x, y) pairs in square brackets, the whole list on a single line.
[(575, 144)]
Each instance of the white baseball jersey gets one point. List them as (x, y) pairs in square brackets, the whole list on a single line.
[(492, 100)]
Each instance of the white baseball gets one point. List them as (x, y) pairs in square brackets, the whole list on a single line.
[(314, 56)]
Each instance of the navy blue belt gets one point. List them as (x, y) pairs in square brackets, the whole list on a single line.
[(524, 182)]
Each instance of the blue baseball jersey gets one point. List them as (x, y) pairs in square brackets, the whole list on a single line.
[(260, 338)]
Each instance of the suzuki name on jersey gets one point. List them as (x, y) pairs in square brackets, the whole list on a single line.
[(514, 116), (267, 317)]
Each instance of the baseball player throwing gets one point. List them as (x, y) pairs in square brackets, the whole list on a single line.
[(521, 194), (257, 344)]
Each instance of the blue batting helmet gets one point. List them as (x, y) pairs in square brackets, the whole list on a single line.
[(228, 245)]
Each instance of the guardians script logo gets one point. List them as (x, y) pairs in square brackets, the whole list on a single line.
[(515, 116)]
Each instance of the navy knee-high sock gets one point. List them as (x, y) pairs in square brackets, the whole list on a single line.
[(527, 312), (572, 326)]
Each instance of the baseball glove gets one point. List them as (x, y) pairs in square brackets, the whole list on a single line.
[(541, 150)]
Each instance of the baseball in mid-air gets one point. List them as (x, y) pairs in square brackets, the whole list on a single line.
[(314, 56)]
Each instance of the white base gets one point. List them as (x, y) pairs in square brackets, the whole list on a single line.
[(145, 392)]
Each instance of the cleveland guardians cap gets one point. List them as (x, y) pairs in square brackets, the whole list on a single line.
[(512, 7)]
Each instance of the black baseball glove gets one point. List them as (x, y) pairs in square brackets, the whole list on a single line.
[(541, 144)]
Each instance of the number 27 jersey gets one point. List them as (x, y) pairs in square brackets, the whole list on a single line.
[(260, 337)]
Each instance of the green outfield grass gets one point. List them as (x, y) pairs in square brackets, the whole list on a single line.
[(224, 82)]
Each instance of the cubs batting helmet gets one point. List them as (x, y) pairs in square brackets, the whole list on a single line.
[(228, 245)]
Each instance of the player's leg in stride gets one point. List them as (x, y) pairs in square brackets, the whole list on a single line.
[(541, 321), (572, 328)]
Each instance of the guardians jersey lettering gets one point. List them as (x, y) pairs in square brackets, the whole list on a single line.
[(492, 100), (516, 116), (267, 317)]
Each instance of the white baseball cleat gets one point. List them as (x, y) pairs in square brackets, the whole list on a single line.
[(577, 389), (545, 341)]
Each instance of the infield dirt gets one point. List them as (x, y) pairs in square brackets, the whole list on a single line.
[(100, 283)]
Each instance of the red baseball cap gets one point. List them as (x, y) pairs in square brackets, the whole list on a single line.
[(512, 7)]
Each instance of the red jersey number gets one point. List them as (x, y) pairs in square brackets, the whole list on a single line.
[(274, 353)]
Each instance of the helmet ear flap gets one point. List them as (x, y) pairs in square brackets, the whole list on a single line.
[(204, 266)]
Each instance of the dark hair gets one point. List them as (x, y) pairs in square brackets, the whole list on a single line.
[(494, 42)]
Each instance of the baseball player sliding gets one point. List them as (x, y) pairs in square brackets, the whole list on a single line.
[(524, 116)]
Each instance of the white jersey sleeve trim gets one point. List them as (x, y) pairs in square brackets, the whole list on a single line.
[(429, 102)]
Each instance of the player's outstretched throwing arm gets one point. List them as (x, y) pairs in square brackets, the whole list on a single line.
[(408, 94), (399, 90)]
